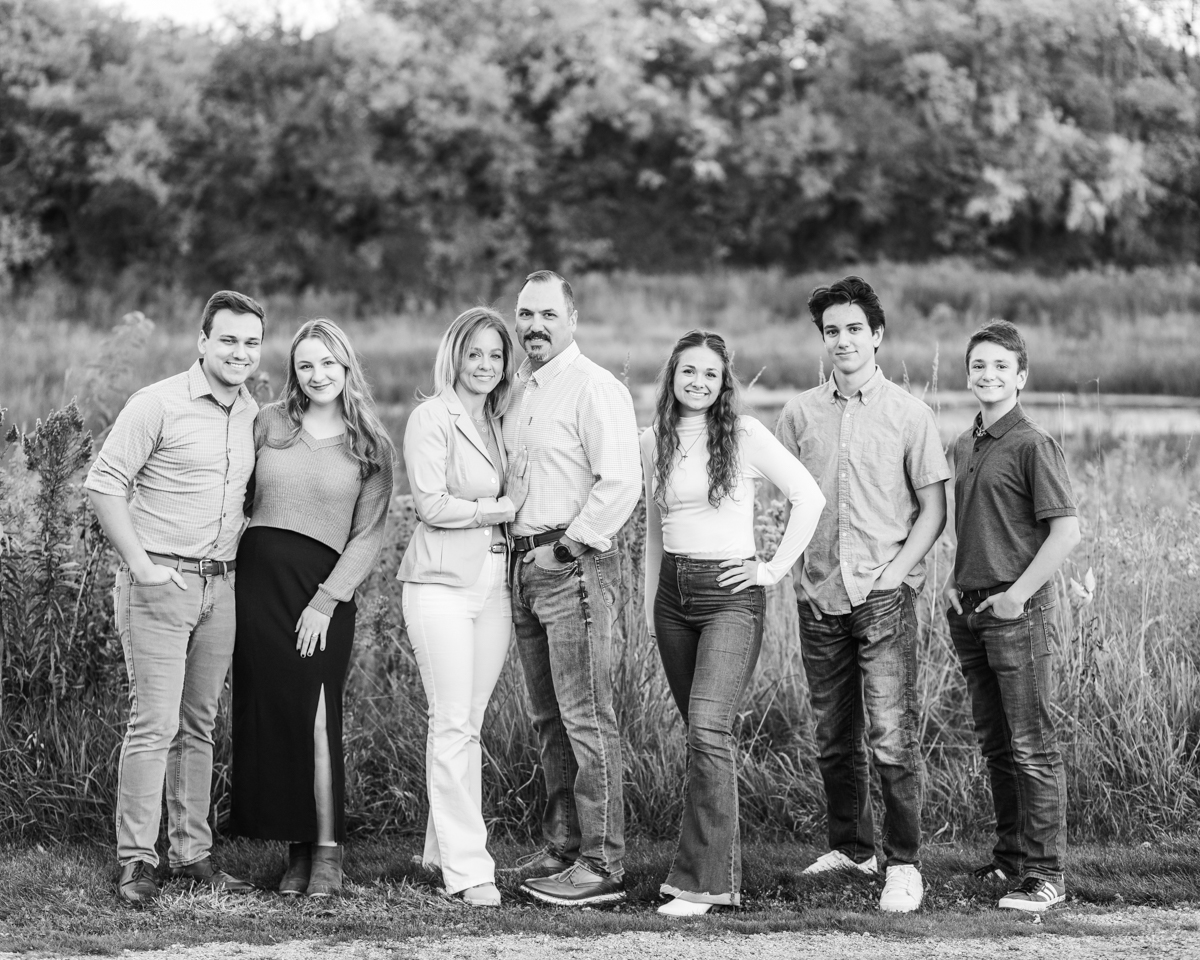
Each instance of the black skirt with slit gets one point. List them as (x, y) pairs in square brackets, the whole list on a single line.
[(276, 691)]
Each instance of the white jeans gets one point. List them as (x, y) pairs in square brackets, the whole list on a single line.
[(460, 638)]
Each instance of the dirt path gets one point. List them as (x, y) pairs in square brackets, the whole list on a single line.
[(1138, 934)]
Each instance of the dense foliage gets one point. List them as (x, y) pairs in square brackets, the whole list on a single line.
[(438, 147)]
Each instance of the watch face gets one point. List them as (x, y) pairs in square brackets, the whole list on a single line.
[(562, 553)]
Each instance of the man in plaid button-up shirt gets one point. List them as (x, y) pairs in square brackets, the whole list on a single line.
[(576, 421), (185, 447)]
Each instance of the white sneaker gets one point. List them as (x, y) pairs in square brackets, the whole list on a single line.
[(836, 860), (902, 890), (683, 908)]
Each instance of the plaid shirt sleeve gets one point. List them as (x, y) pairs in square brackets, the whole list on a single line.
[(134, 435), (608, 433)]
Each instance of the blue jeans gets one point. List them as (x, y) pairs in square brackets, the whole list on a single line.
[(563, 620), (1007, 667), (709, 640), (862, 670)]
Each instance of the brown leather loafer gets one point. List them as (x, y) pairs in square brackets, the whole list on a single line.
[(136, 883), (203, 873)]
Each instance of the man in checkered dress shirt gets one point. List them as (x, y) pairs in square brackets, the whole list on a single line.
[(576, 421)]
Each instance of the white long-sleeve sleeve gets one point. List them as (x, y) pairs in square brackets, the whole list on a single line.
[(768, 458)]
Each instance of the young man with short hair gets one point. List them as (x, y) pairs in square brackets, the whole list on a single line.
[(186, 447), (1016, 522), (875, 452)]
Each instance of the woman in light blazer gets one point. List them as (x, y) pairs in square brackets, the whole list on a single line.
[(456, 597)]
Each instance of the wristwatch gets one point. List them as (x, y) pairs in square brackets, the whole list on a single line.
[(562, 553)]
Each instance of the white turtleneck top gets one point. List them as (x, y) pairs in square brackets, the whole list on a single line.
[(692, 527)]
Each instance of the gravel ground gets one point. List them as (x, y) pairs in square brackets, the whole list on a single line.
[(1137, 933)]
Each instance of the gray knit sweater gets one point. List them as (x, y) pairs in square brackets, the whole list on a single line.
[(313, 488)]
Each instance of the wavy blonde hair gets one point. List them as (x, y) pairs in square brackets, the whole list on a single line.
[(366, 439), (452, 355)]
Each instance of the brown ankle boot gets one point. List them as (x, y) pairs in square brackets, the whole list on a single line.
[(326, 877), (295, 878)]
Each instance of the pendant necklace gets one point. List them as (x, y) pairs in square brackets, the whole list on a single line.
[(688, 449)]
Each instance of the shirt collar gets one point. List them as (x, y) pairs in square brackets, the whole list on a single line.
[(548, 371), (868, 391), (198, 386), (1001, 426)]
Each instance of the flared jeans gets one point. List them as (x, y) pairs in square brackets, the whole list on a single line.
[(709, 640)]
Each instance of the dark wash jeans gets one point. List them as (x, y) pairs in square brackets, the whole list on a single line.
[(1007, 667), (563, 620), (709, 640), (862, 669)]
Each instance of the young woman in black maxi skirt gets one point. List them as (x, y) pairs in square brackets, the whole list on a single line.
[(322, 484)]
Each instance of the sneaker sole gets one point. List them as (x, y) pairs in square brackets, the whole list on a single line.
[(906, 909), (615, 897), (1028, 906)]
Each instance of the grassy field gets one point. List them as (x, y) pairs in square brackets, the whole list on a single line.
[(60, 899)]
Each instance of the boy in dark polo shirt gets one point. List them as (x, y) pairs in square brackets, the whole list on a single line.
[(1015, 516)]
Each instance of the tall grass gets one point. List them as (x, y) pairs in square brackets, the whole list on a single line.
[(1128, 676), (1121, 332)]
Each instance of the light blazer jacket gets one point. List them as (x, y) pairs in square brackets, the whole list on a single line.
[(456, 492)]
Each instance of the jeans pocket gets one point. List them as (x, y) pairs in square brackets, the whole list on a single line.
[(561, 571), (608, 573)]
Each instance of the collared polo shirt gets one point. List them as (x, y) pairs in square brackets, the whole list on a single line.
[(577, 422), (869, 453), (1009, 481), (188, 461)]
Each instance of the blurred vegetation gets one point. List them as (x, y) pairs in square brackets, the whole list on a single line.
[(434, 149)]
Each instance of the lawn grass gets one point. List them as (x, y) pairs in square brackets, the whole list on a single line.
[(61, 898)]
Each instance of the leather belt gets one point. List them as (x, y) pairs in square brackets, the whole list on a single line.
[(525, 544), (973, 598), (206, 568)]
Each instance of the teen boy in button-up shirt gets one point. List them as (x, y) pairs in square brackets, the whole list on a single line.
[(186, 447), (875, 451)]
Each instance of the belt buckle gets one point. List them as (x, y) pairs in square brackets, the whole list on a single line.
[(497, 548)]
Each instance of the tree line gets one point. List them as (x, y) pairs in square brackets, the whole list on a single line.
[(439, 147)]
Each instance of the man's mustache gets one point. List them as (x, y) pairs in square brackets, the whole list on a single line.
[(535, 336)]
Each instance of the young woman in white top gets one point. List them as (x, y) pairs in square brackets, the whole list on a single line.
[(457, 605), (704, 590)]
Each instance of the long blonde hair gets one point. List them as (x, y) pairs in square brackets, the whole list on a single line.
[(452, 354), (366, 439)]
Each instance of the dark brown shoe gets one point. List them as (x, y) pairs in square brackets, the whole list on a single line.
[(203, 873), (295, 879), (326, 878), (541, 863), (136, 884)]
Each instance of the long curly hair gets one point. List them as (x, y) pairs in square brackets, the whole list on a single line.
[(721, 417), (366, 441)]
